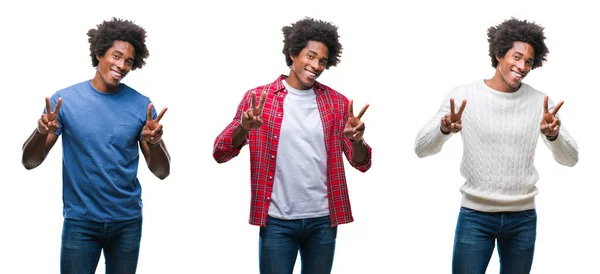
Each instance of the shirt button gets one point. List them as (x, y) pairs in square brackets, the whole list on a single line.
[(272, 156), (268, 198), (279, 114), (275, 136), (270, 177)]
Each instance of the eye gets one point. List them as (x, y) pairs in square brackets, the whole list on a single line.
[(129, 63), (516, 57), (116, 56), (323, 63), (310, 56), (530, 63)]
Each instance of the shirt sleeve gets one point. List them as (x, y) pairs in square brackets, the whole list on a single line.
[(362, 166), (223, 149), (347, 145), (564, 148), (430, 138)]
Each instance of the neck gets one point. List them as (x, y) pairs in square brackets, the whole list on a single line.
[(499, 84), (99, 84), (295, 82)]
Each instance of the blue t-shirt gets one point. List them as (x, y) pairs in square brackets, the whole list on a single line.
[(100, 134)]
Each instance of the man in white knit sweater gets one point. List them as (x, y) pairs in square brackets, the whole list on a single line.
[(500, 128)]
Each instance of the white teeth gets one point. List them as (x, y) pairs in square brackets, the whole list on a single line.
[(115, 74), (311, 74), (518, 75)]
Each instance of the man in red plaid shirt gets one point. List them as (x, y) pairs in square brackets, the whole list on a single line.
[(298, 184)]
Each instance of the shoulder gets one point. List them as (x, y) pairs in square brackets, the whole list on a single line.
[(330, 92), (131, 91), (133, 94), (272, 87), (463, 90), (72, 89), (531, 90), (471, 86)]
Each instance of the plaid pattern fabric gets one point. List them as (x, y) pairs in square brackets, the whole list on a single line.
[(333, 109)]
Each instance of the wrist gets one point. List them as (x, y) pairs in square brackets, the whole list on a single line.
[(444, 131), (41, 132), (552, 138), (357, 142), (153, 144), (242, 124), (243, 128)]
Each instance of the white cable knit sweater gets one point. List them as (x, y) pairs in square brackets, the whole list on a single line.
[(499, 133)]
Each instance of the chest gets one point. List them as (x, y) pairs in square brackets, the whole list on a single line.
[(494, 119), (102, 122), (321, 115)]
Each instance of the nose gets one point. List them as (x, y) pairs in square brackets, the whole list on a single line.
[(521, 65), (316, 65), (120, 63)]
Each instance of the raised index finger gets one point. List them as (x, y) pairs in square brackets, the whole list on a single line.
[(149, 116), (545, 104), (263, 99), (253, 99), (47, 105), (350, 109), (452, 106)]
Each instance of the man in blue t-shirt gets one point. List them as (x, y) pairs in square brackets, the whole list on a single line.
[(102, 121)]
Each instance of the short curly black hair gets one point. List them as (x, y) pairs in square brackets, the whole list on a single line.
[(102, 38), (296, 36), (503, 36)]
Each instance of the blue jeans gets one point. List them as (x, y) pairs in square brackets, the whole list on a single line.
[(83, 241), (477, 232), (280, 241)]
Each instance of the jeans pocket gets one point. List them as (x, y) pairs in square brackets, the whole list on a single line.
[(530, 213)]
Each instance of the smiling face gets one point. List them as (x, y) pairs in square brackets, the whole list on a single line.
[(513, 67), (113, 66), (308, 65)]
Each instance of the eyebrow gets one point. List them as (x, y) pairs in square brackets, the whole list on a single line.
[(521, 54), (119, 52)]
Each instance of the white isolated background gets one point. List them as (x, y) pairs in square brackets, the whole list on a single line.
[(400, 57)]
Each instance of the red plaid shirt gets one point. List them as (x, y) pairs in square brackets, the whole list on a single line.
[(333, 109)]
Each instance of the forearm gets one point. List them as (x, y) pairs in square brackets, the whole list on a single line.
[(430, 139), (239, 136), (34, 150), (564, 148), (226, 147), (160, 160), (359, 151)]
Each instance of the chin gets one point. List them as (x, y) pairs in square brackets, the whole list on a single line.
[(516, 85), (309, 83)]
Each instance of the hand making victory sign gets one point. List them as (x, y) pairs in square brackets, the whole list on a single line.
[(451, 123), (355, 128), (48, 123), (152, 131), (251, 119), (550, 124)]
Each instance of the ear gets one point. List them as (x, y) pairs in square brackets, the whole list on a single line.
[(98, 58), (498, 58)]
